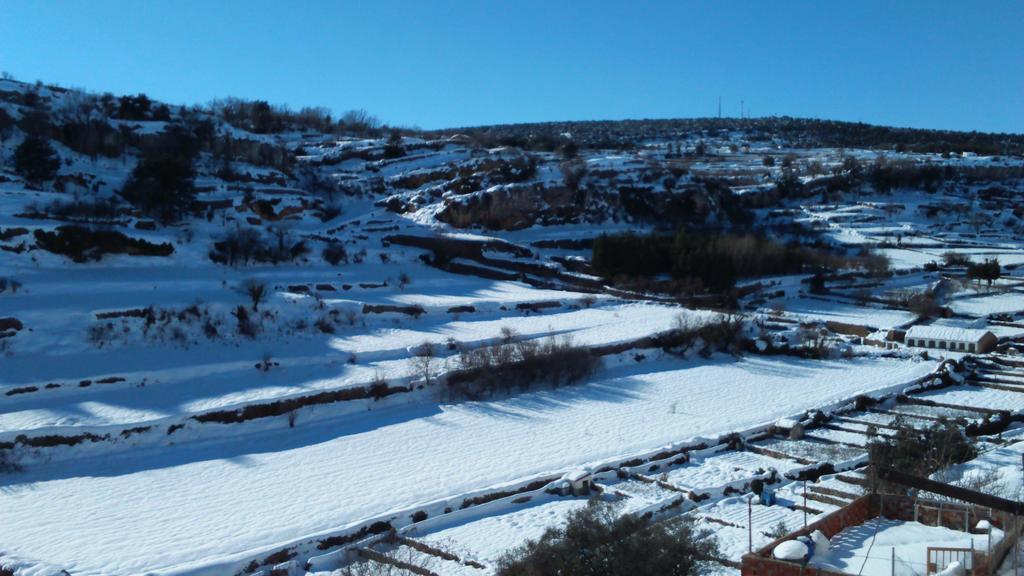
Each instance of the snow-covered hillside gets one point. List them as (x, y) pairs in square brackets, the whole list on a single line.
[(284, 357)]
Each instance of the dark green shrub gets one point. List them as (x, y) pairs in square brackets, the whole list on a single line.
[(162, 187), (597, 542), (35, 160)]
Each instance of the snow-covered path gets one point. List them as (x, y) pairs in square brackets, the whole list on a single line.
[(190, 508)]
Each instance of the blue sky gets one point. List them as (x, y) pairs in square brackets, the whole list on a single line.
[(437, 63)]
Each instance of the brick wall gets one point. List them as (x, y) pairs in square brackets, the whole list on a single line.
[(760, 563), (894, 507)]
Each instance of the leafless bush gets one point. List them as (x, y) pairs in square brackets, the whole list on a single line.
[(521, 364), (423, 362), (324, 325), (257, 292), (955, 259), (100, 333), (572, 173), (817, 340), (334, 253), (9, 284), (246, 245), (723, 335), (8, 462), (400, 556), (924, 304), (266, 363), (246, 326)]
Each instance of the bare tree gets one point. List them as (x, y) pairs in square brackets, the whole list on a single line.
[(423, 362), (257, 292)]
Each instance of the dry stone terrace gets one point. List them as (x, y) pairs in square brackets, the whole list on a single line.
[(816, 478)]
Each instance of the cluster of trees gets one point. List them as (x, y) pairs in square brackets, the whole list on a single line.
[(519, 365), (617, 134), (245, 245), (918, 451), (95, 137), (84, 244), (162, 183), (886, 175), (989, 270), (711, 262), (260, 117), (955, 259), (82, 122), (597, 541), (138, 107), (82, 209), (723, 335)]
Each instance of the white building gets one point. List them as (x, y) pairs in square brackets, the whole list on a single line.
[(951, 338)]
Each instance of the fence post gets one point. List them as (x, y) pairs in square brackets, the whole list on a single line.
[(1017, 542), (805, 503), (892, 569), (750, 524)]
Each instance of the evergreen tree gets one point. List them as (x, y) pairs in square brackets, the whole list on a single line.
[(162, 187), (35, 160), (394, 148)]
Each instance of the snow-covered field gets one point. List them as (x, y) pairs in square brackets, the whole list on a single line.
[(487, 538), (1005, 303), (823, 310), (222, 500)]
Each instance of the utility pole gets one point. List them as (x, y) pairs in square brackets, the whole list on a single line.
[(742, 115), (719, 106)]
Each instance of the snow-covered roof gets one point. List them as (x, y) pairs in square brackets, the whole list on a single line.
[(576, 475), (954, 333)]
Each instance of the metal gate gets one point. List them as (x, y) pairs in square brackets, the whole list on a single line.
[(939, 557)]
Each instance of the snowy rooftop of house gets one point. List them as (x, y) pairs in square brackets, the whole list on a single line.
[(936, 332)]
